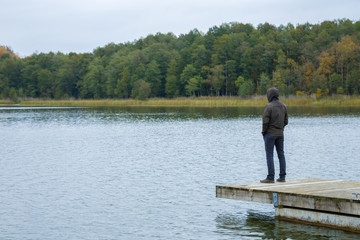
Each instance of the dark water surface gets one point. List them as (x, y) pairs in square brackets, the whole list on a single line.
[(150, 173)]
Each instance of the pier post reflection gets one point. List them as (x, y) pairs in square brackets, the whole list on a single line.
[(263, 225)]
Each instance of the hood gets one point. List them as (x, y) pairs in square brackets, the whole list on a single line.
[(272, 94)]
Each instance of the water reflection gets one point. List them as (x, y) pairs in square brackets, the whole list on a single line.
[(188, 112), (265, 226), (323, 111), (226, 112), (129, 114)]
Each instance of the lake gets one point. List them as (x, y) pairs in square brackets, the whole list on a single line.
[(150, 172)]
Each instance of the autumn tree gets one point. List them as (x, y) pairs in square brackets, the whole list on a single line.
[(347, 57)]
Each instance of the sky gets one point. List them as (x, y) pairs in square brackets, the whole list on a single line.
[(29, 26)]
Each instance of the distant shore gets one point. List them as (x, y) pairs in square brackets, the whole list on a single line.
[(333, 101)]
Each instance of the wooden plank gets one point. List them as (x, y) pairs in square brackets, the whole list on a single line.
[(308, 193), (344, 222)]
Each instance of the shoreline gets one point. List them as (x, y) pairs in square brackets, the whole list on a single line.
[(334, 101)]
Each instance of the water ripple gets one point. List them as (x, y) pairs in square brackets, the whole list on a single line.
[(108, 173)]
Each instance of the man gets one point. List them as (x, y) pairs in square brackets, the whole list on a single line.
[(275, 118)]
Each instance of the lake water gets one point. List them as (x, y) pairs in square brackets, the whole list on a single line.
[(150, 173)]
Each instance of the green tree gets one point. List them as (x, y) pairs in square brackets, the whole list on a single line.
[(194, 85), (172, 84), (200, 57), (304, 58), (141, 90), (44, 83), (230, 77), (152, 76), (245, 87), (217, 78), (222, 50), (116, 83), (264, 83), (9, 71), (93, 85), (122, 89), (352, 83), (138, 73), (188, 73), (30, 76), (335, 82), (239, 81), (13, 95)]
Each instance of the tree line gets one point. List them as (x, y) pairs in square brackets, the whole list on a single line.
[(232, 59)]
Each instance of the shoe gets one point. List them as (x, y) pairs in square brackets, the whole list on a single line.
[(280, 180), (267, 181)]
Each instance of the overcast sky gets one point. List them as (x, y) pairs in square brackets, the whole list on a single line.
[(29, 26)]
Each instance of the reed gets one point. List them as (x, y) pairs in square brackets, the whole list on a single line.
[(339, 101), (257, 101), (6, 102), (178, 102)]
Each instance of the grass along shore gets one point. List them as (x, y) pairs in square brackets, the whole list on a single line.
[(333, 101)]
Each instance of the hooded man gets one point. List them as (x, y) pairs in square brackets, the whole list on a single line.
[(275, 118)]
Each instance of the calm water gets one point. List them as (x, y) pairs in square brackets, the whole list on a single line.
[(150, 173)]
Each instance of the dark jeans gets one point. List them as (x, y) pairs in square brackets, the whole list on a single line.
[(278, 142)]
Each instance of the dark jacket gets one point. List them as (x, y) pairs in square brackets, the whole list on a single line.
[(275, 116)]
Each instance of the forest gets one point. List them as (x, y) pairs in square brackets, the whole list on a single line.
[(233, 59)]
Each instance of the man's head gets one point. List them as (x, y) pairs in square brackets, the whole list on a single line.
[(272, 94)]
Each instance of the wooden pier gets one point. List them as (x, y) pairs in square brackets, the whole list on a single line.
[(332, 203)]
